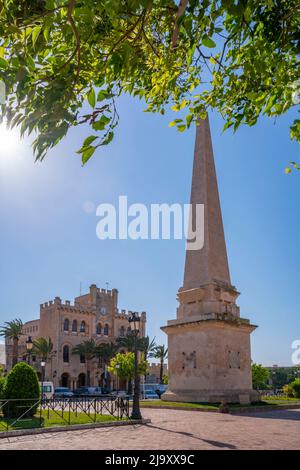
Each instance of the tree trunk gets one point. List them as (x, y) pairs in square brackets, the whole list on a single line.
[(88, 375), (161, 373), (15, 351), (129, 386)]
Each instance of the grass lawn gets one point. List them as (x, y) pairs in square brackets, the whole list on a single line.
[(281, 400), (54, 420)]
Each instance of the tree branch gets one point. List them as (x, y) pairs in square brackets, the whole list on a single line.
[(76, 34), (180, 11)]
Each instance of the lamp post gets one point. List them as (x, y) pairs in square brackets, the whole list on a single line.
[(134, 321), (29, 345), (43, 366)]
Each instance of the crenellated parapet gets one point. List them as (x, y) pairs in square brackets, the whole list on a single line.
[(125, 314)]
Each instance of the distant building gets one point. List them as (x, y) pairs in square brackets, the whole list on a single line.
[(93, 315), (153, 375), (2, 356)]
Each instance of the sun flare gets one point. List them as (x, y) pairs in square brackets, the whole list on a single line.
[(9, 141)]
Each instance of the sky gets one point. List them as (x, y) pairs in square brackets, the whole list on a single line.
[(48, 242)]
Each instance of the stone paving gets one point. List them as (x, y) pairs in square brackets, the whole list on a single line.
[(185, 430)]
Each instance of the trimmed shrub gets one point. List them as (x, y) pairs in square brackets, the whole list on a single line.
[(2, 384), (296, 388), (21, 382)]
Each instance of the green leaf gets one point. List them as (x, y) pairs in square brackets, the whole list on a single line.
[(208, 42), (91, 96), (35, 34), (87, 154), (287, 170), (3, 63), (108, 139), (181, 127), (173, 123), (189, 119), (100, 125), (89, 140)]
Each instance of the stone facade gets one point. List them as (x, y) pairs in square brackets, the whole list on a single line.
[(2, 356), (209, 343), (153, 375), (93, 315)]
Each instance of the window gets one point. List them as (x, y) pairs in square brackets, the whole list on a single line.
[(103, 310), (129, 330), (82, 359), (98, 329), (66, 353), (105, 332), (122, 331), (74, 326), (82, 327), (66, 324)]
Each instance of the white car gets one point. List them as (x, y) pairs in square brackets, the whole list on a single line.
[(47, 389)]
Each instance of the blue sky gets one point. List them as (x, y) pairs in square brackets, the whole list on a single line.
[(49, 244)]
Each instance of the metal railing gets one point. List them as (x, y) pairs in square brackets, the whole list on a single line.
[(27, 413)]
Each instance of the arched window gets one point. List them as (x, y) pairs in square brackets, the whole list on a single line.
[(74, 325), (82, 327), (129, 330), (106, 330), (122, 331), (66, 353), (82, 359), (66, 324), (98, 329)]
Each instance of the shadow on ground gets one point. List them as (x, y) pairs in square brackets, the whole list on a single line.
[(275, 414), (219, 444)]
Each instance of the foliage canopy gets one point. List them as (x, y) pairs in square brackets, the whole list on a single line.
[(238, 56)]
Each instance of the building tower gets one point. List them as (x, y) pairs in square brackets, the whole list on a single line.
[(209, 344)]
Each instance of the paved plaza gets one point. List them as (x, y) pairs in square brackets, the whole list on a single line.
[(172, 429)]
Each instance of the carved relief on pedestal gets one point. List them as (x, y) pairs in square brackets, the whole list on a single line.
[(189, 360), (234, 359)]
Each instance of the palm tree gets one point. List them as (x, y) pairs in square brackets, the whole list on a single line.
[(128, 342), (106, 352), (161, 353), (43, 348), (87, 350), (13, 330), (148, 348)]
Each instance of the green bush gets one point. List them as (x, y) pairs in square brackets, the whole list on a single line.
[(21, 382), (288, 391), (2, 383), (296, 388)]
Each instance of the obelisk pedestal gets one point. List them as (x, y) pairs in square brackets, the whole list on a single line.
[(209, 344)]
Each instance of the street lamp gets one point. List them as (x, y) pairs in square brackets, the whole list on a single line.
[(43, 365), (134, 322), (29, 345)]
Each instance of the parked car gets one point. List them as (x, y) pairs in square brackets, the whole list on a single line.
[(151, 394), (47, 389), (88, 391), (63, 392)]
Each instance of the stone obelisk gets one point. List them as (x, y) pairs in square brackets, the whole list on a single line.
[(209, 343)]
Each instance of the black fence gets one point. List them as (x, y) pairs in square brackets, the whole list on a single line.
[(27, 413)]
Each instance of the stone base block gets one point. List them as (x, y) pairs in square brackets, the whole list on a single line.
[(211, 396)]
